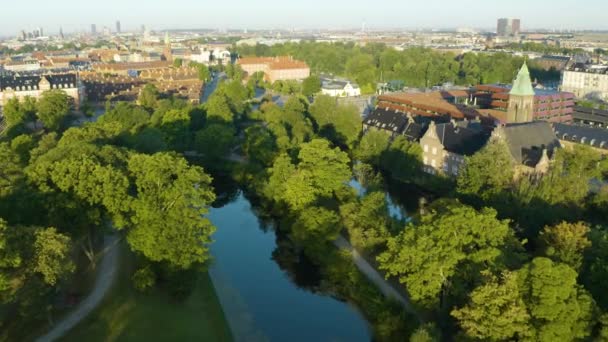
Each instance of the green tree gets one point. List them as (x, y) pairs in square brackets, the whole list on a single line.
[(53, 109), (17, 113), (218, 108), (311, 86), (426, 333), (315, 226), (561, 310), (144, 279), (235, 72), (495, 311), (131, 117), (215, 141), (12, 177), (566, 243), (340, 124), (594, 274), (260, 145), (22, 145), (11, 259), (149, 140), (237, 95), (148, 97), (320, 171), (367, 221), (425, 257), (52, 259), (171, 199), (203, 73), (177, 62), (403, 158), (372, 146), (175, 126), (362, 69), (487, 173)]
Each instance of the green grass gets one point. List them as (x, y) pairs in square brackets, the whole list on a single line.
[(127, 315)]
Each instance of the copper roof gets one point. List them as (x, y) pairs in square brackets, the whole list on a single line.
[(434, 103)]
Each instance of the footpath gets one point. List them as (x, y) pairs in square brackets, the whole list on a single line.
[(106, 276)]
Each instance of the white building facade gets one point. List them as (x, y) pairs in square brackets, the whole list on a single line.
[(587, 83)]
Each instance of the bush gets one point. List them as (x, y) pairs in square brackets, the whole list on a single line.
[(144, 279)]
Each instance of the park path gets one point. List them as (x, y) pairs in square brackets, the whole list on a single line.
[(376, 278), (106, 275)]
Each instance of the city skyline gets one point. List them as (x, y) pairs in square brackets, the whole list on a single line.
[(75, 16)]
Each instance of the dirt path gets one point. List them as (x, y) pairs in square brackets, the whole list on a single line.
[(106, 275), (370, 272)]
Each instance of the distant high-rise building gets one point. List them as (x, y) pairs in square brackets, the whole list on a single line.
[(118, 26), (93, 29), (508, 27), (106, 31), (61, 32)]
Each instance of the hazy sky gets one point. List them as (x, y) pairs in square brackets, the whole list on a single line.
[(78, 15)]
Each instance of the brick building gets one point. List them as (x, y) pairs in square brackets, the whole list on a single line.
[(275, 68), (522, 103)]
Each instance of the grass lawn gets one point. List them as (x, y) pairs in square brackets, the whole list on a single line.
[(127, 315)]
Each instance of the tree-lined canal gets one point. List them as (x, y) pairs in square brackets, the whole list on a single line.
[(260, 300)]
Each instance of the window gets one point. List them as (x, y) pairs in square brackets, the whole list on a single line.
[(433, 164), (455, 170), (425, 160), (426, 148)]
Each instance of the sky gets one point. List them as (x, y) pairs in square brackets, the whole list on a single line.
[(78, 15)]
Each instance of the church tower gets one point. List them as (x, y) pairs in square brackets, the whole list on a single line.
[(167, 53), (521, 98)]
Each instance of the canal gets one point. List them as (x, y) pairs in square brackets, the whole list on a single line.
[(264, 300), (260, 300)]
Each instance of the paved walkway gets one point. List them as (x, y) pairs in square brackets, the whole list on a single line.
[(372, 274), (106, 275)]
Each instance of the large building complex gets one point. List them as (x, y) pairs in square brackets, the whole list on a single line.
[(508, 27), (523, 103), (444, 146), (586, 81), (275, 68), (489, 103), (451, 125), (33, 86)]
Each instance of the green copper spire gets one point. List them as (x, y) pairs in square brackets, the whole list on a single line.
[(522, 85)]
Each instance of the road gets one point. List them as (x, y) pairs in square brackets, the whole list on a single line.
[(370, 272), (106, 275)]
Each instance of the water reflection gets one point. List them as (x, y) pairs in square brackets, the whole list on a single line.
[(262, 301), (403, 200)]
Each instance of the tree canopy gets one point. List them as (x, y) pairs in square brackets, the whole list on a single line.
[(53, 108), (426, 256)]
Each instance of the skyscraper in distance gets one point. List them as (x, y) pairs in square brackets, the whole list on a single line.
[(117, 26), (508, 27), (93, 29)]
